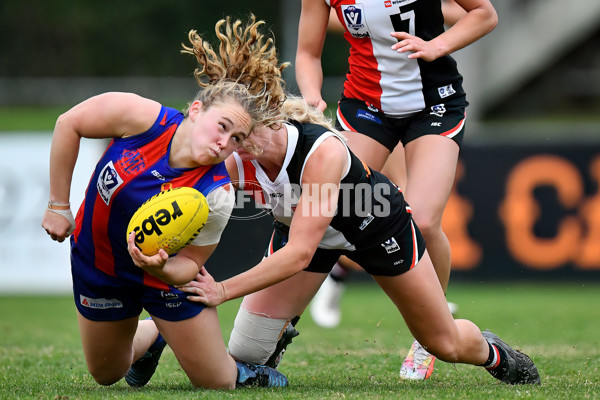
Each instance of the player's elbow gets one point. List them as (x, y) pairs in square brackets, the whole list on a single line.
[(492, 19), (302, 257), (300, 250)]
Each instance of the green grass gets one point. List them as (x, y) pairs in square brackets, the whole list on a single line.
[(556, 324)]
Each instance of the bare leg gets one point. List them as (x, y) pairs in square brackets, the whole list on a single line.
[(108, 347), (145, 335), (368, 150), (419, 297), (292, 296), (198, 345), (431, 165), (395, 167)]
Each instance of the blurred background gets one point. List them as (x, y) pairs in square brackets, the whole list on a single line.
[(526, 204)]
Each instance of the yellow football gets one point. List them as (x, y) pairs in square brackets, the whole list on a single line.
[(169, 220)]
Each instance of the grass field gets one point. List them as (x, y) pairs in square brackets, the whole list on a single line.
[(556, 324)]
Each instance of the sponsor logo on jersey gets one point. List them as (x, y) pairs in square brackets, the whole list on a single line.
[(366, 222), (108, 182), (158, 175), (354, 18), (388, 3), (100, 303), (368, 116), (446, 91), (390, 245), (438, 110), (173, 305)]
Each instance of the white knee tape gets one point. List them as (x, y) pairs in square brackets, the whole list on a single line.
[(254, 337)]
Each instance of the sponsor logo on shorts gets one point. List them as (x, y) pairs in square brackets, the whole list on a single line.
[(100, 303), (168, 295), (438, 110), (108, 182), (173, 305), (446, 91), (400, 261), (366, 222), (368, 116), (390, 245), (371, 107), (354, 20)]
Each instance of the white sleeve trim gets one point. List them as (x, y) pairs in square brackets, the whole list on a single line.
[(240, 167), (220, 203), (318, 143)]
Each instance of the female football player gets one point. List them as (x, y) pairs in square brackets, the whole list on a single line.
[(154, 148), (327, 203), (402, 88)]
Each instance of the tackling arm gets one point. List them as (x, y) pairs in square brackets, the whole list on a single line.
[(323, 171)]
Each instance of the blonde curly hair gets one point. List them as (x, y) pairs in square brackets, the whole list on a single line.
[(245, 57), (295, 108)]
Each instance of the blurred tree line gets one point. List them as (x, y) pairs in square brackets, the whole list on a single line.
[(69, 38)]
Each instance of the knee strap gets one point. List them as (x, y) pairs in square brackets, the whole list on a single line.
[(254, 337)]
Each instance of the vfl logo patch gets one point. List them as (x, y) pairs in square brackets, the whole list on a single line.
[(108, 182), (368, 116), (354, 18), (390, 246), (99, 303), (438, 110), (446, 91)]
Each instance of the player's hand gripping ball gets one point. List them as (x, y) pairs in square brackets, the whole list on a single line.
[(169, 220)]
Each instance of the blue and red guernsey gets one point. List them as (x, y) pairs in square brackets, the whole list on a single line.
[(132, 170)]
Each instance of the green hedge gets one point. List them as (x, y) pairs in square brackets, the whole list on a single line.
[(111, 38)]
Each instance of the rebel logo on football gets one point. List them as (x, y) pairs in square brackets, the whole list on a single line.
[(152, 224)]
